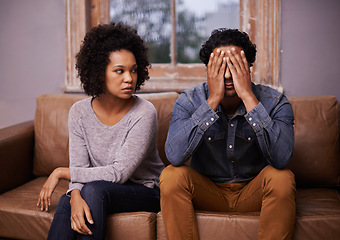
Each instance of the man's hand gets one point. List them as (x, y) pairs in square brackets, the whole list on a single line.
[(215, 77), (240, 71), (80, 210)]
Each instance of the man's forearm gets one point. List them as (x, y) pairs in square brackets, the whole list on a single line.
[(185, 132), (275, 134), (250, 102)]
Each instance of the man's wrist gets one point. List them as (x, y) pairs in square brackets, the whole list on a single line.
[(250, 102), (213, 103)]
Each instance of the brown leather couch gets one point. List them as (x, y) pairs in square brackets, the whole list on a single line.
[(31, 150)]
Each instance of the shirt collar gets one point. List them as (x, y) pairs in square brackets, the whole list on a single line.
[(241, 110)]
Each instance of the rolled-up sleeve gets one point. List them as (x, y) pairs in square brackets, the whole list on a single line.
[(274, 131), (186, 129)]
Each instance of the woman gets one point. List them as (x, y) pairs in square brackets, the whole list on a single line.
[(114, 163)]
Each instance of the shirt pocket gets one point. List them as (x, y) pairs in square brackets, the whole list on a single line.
[(214, 135), (246, 135), (213, 146), (247, 152)]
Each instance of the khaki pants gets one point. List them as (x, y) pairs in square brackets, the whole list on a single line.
[(272, 192)]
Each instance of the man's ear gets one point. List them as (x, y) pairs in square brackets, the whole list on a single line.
[(250, 67)]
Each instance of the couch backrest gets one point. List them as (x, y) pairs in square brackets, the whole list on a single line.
[(51, 131), (316, 160)]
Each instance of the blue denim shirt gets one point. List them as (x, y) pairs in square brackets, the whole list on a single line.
[(232, 150)]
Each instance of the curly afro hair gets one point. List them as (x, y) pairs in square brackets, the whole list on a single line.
[(226, 37), (98, 44)]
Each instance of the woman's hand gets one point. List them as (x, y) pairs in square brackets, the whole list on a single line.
[(80, 210), (44, 200)]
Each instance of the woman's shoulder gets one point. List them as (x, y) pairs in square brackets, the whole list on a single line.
[(81, 107), (144, 105)]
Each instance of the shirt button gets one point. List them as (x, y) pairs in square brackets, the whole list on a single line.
[(207, 123), (231, 125), (250, 119), (209, 138), (249, 138), (230, 146), (254, 124), (212, 119)]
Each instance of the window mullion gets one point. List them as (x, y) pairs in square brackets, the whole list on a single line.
[(173, 52), (100, 12), (75, 31)]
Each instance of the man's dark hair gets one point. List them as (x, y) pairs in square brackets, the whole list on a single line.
[(98, 44), (226, 37)]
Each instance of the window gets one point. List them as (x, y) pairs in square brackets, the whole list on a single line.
[(175, 30), (177, 70)]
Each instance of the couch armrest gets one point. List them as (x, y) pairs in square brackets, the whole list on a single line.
[(16, 155)]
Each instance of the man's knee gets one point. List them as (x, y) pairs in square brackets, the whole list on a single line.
[(282, 181), (279, 175), (172, 178)]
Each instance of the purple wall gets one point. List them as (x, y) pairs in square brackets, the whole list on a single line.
[(32, 55), (310, 61)]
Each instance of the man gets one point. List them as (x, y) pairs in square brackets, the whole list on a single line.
[(239, 137)]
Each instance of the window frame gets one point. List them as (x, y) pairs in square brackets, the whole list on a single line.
[(261, 19)]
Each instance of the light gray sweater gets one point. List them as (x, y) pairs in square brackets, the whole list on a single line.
[(124, 151)]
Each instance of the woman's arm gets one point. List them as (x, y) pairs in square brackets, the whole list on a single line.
[(51, 183), (78, 152), (79, 210)]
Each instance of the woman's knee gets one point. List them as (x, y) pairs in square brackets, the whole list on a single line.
[(93, 190), (64, 204), (64, 200)]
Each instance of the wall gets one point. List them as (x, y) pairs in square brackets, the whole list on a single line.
[(310, 62), (32, 47), (32, 59)]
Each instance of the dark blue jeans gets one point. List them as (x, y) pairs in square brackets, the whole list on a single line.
[(103, 198)]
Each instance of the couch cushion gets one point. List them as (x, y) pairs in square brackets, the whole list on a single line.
[(18, 211), (315, 160), (218, 225), (131, 225), (51, 131), (317, 217)]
